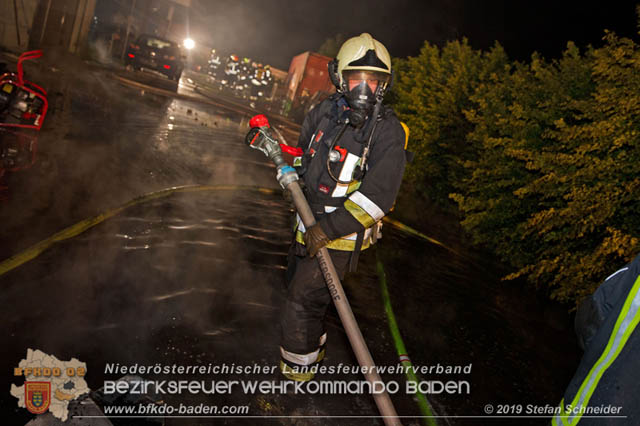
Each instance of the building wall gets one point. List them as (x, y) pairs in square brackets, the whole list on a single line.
[(8, 35), (61, 24)]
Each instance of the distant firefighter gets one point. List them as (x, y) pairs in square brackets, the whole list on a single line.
[(231, 72), (215, 65), (260, 81)]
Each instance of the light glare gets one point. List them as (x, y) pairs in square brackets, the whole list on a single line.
[(189, 43)]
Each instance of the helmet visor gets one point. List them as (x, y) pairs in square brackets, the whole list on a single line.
[(373, 79)]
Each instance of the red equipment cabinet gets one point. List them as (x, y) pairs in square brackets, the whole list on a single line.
[(308, 76)]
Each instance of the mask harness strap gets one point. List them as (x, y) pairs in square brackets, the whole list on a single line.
[(367, 148), (355, 254), (353, 260)]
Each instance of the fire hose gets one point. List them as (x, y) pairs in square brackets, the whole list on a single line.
[(261, 138)]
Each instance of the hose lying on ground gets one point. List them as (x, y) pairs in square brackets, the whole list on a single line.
[(403, 355), (74, 230)]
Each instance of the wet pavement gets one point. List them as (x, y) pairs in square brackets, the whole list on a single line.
[(196, 278)]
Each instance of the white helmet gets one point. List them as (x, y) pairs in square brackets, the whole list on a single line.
[(362, 71)]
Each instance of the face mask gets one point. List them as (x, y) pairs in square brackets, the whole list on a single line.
[(360, 95), (361, 87)]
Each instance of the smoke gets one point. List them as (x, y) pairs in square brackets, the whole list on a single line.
[(187, 279), (276, 31), (101, 51)]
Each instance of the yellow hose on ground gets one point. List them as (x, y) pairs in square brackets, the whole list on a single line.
[(70, 232), (78, 228)]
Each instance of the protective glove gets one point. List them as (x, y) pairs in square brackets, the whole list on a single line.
[(315, 239)]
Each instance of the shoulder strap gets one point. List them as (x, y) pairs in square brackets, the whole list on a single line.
[(331, 114)]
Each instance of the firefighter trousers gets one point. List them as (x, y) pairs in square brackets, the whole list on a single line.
[(308, 298)]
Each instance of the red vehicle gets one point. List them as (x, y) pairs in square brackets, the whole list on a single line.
[(307, 82)]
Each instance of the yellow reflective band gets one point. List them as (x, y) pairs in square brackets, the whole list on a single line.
[(346, 245), (353, 186), (7, 88), (624, 327), (560, 419), (359, 213), (406, 134), (341, 244), (292, 374), (297, 161)]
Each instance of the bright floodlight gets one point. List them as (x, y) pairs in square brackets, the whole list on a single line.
[(189, 44)]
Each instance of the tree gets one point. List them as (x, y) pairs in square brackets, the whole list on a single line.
[(542, 159), (553, 188), (431, 94)]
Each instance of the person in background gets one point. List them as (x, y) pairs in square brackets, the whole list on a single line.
[(608, 376)]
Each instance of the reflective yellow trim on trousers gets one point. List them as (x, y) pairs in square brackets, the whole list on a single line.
[(292, 374), (625, 325), (359, 213), (341, 244)]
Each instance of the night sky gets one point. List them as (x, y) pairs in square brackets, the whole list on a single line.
[(275, 30)]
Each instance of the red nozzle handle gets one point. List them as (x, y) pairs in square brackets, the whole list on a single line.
[(296, 152), (259, 120)]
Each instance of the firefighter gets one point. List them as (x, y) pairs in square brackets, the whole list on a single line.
[(231, 71), (607, 376), (352, 166), (214, 65)]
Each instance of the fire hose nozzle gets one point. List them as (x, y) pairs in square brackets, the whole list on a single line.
[(261, 137)]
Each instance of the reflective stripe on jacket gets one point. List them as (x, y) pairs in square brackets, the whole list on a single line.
[(608, 374)]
